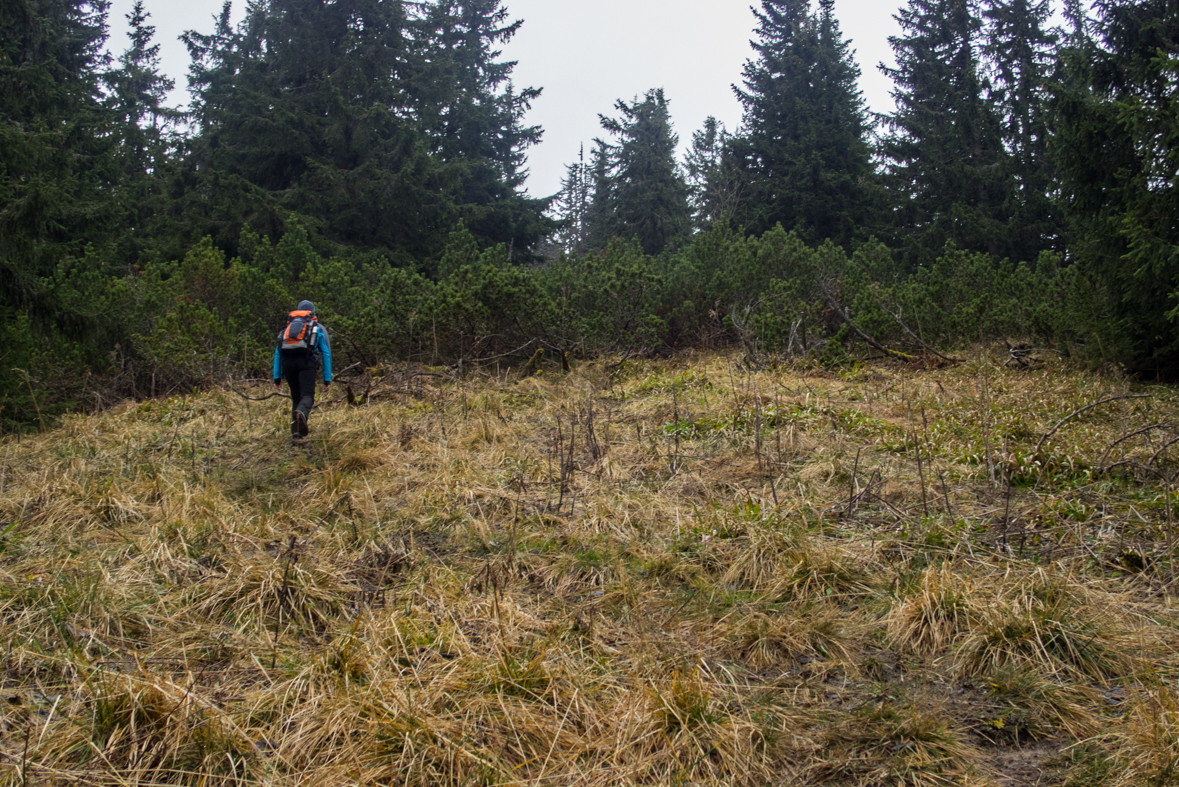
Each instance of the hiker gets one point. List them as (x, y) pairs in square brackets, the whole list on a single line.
[(296, 357)]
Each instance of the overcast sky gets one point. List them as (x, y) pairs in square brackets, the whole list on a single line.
[(589, 54)]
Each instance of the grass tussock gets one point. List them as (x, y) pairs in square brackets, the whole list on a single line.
[(886, 744), (1057, 626), (932, 615), (1035, 706), (1148, 747), (676, 571)]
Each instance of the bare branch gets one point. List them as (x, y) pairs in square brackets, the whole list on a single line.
[(916, 338), (1135, 433), (1084, 409), (846, 317)]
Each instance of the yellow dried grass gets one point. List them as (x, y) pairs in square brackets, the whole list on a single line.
[(433, 589)]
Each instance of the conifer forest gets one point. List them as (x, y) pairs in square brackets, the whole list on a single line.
[(370, 156)]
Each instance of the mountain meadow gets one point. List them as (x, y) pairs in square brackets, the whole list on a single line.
[(640, 571)]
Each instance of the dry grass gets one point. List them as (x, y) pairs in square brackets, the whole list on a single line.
[(679, 572)]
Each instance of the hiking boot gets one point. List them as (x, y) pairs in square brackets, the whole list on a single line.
[(301, 424)]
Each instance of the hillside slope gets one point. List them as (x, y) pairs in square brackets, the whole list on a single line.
[(670, 572)]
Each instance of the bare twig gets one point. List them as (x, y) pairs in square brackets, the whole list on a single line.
[(1081, 410), (846, 317), (629, 354), (1135, 433), (1154, 459), (257, 398), (24, 758), (916, 338), (508, 354), (921, 467), (851, 494), (33, 396)]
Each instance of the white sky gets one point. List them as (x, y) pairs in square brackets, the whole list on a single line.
[(587, 55)]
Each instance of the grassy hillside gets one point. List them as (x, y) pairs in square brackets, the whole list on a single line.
[(669, 572)]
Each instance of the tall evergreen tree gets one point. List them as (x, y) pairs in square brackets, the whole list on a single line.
[(572, 206), (471, 112), (639, 190), (943, 151), (57, 178), (1079, 25), (804, 151), (136, 91), (316, 108), (461, 92), (56, 168), (600, 220), (144, 127), (1115, 118), (714, 185), (1021, 50)]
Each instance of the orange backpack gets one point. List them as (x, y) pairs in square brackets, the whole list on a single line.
[(299, 335)]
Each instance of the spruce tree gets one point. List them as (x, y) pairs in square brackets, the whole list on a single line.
[(714, 186), (144, 128), (321, 109), (473, 116), (136, 91), (804, 152), (1021, 52), (1115, 124), (946, 168), (57, 178), (639, 190), (572, 207), (600, 219), (462, 93), (56, 167), (1080, 26)]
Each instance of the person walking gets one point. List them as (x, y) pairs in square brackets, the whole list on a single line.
[(301, 345)]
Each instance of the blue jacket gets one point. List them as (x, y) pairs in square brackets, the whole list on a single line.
[(322, 347)]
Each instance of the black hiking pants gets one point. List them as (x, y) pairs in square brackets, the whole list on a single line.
[(300, 371)]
